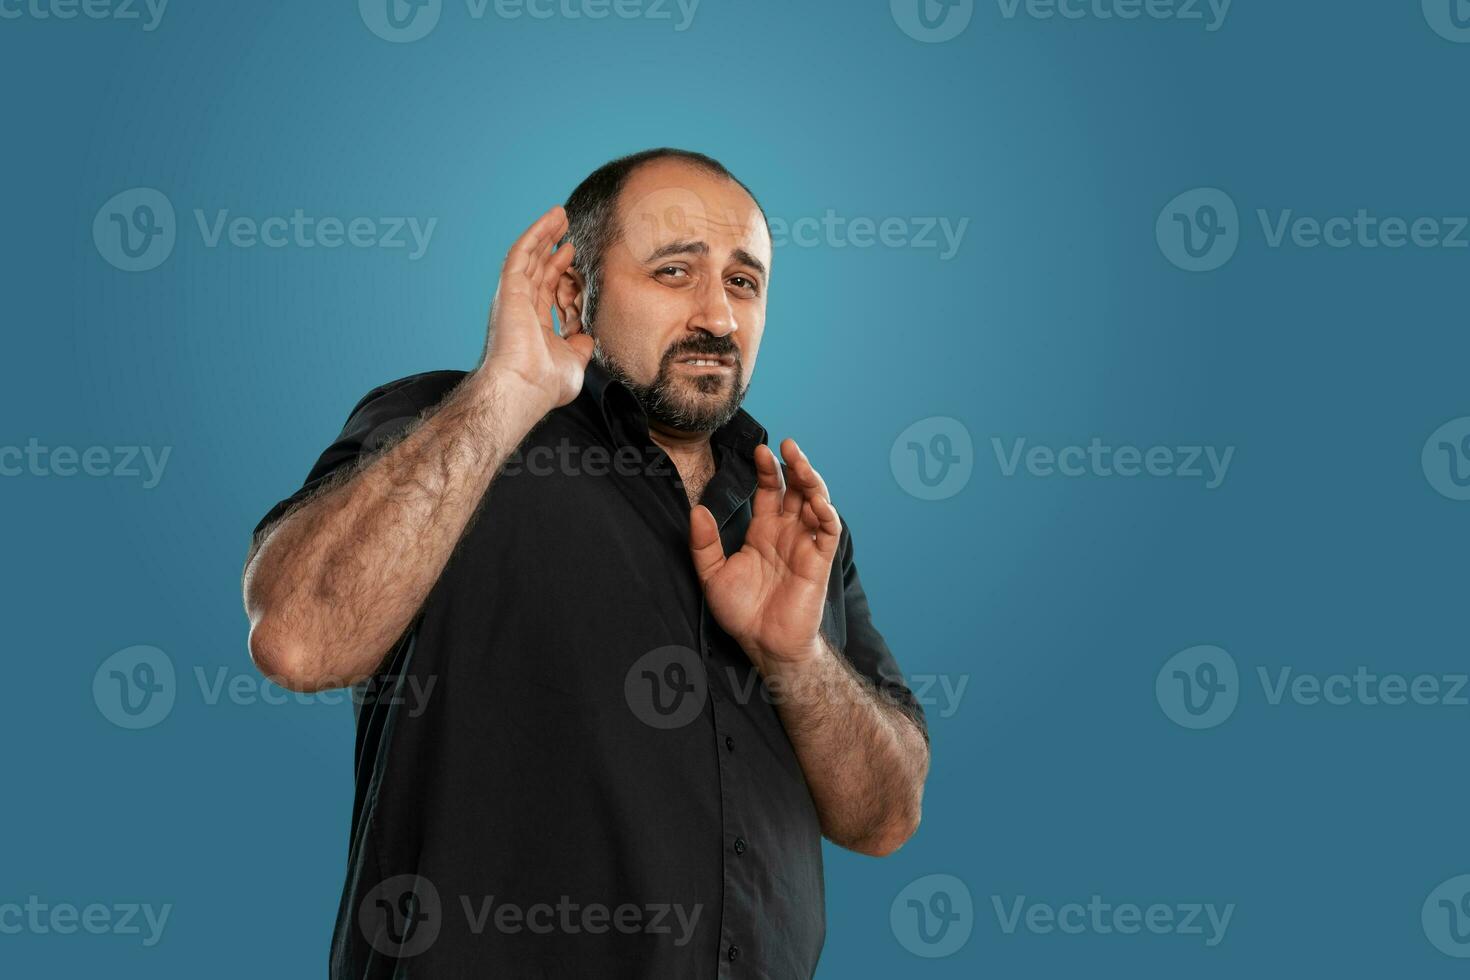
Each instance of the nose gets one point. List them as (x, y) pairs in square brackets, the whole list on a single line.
[(713, 314)]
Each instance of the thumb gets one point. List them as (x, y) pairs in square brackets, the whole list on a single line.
[(704, 542), (582, 345)]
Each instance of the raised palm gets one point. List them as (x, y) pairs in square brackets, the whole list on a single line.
[(768, 595)]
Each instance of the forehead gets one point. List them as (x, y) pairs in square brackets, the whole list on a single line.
[(670, 200)]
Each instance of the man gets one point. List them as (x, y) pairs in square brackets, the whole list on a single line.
[(616, 672)]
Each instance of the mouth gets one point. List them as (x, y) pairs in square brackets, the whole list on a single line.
[(707, 362)]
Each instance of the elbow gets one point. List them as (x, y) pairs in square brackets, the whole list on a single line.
[(894, 836), (888, 836), (281, 660)]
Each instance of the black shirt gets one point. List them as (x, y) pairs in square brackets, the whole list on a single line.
[(565, 768)]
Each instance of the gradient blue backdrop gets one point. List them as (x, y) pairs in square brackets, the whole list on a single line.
[(1055, 600)]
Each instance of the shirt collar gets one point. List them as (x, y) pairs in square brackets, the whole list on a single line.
[(627, 423)]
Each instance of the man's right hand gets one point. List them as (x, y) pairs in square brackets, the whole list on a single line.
[(522, 343)]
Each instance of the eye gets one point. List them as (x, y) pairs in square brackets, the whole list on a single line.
[(749, 283), (671, 269)]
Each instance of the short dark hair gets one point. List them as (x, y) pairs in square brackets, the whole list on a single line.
[(592, 212)]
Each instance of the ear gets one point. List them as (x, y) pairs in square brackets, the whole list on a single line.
[(569, 294)]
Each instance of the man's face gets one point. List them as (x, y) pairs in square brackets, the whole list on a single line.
[(683, 295)]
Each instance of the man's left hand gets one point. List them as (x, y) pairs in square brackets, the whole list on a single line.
[(768, 595)]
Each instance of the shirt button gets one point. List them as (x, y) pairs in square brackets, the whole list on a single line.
[(740, 845), (732, 952), (729, 743)]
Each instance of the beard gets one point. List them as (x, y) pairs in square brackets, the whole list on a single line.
[(689, 403)]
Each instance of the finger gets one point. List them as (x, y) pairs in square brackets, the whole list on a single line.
[(804, 475), (551, 274), (769, 485), (544, 244), (523, 250), (791, 501), (704, 543), (583, 346), (830, 533), (807, 476)]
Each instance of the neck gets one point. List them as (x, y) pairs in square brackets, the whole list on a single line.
[(679, 442)]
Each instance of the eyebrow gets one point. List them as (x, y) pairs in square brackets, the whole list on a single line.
[(687, 247)]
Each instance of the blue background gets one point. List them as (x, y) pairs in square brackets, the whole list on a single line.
[(1055, 600)]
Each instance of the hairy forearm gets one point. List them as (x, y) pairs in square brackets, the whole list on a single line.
[(336, 582), (865, 761)]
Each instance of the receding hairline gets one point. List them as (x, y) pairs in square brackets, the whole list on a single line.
[(715, 170)]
